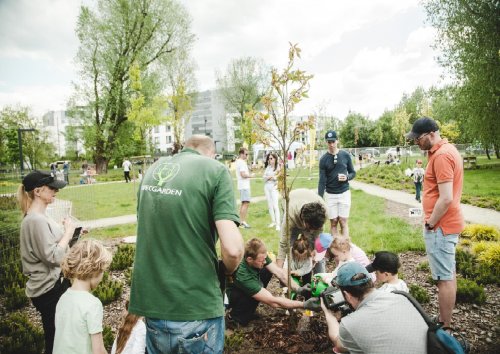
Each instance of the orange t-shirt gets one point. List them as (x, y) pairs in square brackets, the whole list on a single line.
[(445, 165)]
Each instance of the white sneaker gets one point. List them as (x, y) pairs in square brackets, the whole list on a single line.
[(244, 225), (271, 224)]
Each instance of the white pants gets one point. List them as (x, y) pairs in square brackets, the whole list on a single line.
[(338, 204), (272, 197)]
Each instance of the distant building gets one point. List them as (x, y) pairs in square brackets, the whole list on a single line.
[(163, 138), (64, 132)]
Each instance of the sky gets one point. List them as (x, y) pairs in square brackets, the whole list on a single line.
[(364, 54)]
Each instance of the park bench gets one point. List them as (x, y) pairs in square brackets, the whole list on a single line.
[(470, 161)]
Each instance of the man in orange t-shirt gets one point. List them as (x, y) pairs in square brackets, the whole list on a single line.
[(443, 217)]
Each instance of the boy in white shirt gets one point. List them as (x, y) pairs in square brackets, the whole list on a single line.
[(386, 265), (79, 314)]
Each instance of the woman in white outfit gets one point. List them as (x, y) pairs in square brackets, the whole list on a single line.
[(271, 174)]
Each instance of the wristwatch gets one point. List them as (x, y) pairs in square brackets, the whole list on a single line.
[(428, 226)]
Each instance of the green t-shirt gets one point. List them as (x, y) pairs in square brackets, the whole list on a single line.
[(247, 279), (175, 269)]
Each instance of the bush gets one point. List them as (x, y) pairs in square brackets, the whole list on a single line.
[(233, 342), (123, 257), (471, 268), (108, 289), (469, 291), (419, 293), (424, 266), (15, 297), (477, 232), (491, 257), (128, 275), (18, 335), (108, 337)]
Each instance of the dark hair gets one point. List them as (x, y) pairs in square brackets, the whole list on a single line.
[(300, 249), (313, 214), (242, 150), (275, 156), (358, 291)]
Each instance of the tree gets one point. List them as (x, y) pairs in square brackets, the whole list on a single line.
[(468, 38), (288, 88), (181, 86), (36, 151), (115, 36), (242, 86), (356, 131)]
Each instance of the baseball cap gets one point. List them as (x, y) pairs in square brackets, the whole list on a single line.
[(421, 126), (385, 262), (37, 179), (322, 242), (347, 271), (331, 135)]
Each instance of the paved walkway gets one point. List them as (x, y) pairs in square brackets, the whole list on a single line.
[(472, 214)]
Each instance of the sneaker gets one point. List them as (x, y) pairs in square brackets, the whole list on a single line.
[(271, 224), (244, 225)]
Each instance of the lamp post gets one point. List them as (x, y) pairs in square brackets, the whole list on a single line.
[(20, 142), (205, 125)]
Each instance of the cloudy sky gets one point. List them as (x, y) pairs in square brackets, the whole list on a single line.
[(364, 54)]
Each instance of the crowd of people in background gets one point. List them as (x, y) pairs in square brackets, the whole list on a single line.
[(186, 205)]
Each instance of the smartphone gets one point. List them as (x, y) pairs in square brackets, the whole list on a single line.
[(76, 236)]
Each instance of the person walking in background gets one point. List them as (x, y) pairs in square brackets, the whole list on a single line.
[(79, 314), (418, 176), (243, 178), (442, 213), (271, 174), (66, 171), (335, 172), (43, 244), (185, 203), (127, 165)]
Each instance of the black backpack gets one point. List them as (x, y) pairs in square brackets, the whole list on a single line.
[(439, 341)]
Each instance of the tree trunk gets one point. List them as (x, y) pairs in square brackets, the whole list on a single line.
[(495, 146), (488, 153), (101, 164)]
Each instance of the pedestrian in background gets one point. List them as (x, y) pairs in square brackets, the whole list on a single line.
[(271, 174), (127, 165)]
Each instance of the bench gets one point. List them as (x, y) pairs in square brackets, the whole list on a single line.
[(470, 161)]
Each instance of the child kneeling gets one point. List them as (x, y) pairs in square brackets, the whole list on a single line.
[(386, 265), (79, 314)]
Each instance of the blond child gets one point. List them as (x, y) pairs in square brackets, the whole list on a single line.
[(131, 338), (386, 265), (79, 314)]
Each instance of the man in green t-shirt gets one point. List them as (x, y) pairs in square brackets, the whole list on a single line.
[(248, 288), (185, 203)]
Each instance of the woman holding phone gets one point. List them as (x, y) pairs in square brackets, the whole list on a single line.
[(43, 245)]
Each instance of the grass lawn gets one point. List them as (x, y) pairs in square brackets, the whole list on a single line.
[(481, 186), (370, 227)]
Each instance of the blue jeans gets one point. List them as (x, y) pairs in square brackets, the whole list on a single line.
[(203, 336), (440, 251)]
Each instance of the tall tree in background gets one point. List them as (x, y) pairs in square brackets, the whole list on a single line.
[(181, 85), (113, 37), (468, 37), (242, 86), (356, 131)]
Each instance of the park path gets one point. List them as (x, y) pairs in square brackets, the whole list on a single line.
[(471, 213)]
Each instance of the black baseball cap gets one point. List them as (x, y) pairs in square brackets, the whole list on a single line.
[(421, 126), (37, 179), (385, 262), (331, 135)]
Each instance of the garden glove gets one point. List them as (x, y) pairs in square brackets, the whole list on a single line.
[(313, 304), (304, 290)]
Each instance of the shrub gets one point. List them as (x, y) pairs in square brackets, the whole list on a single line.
[(8, 203), (123, 257), (470, 267), (424, 266), (18, 335), (108, 289), (128, 275), (15, 297), (470, 292), (419, 293), (478, 232), (491, 257), (108, 337), (234, 341)]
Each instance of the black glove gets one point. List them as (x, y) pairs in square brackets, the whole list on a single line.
[(304, 290), (313, 304)]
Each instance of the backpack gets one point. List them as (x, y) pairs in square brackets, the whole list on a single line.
[(439, 341)]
